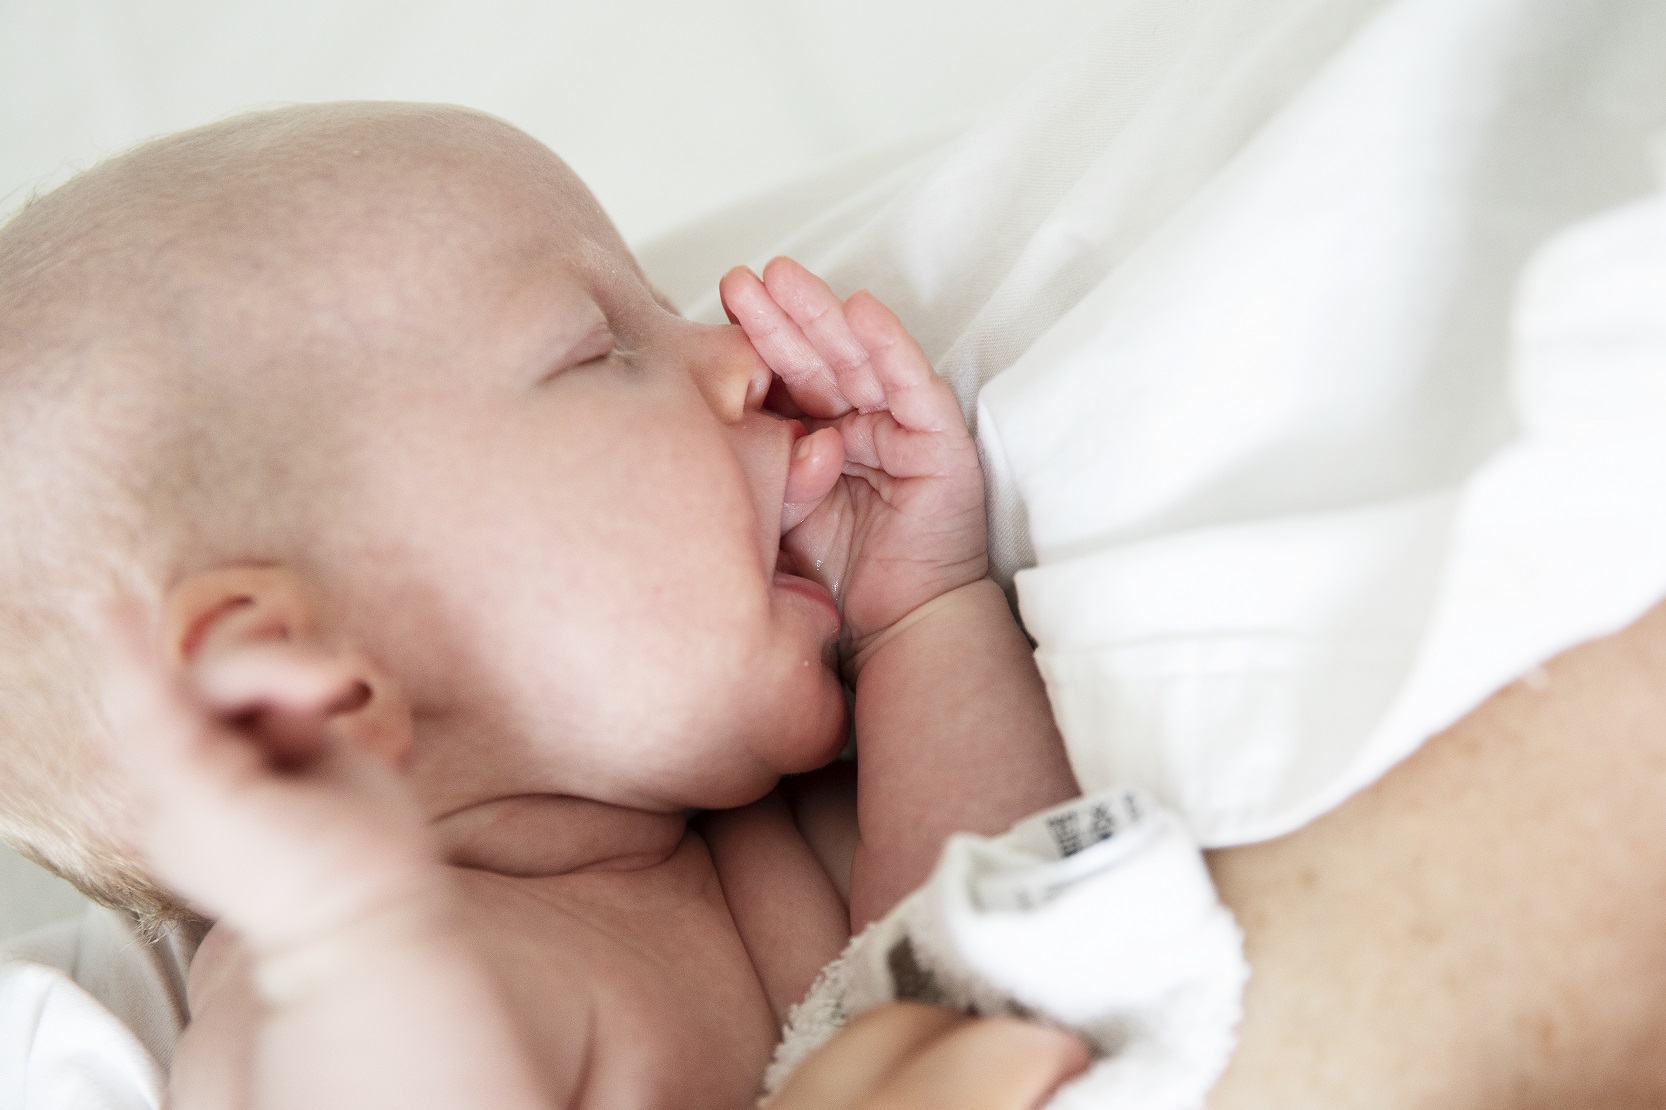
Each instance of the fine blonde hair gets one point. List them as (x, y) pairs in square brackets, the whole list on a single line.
[(69, 521), (135, 440)]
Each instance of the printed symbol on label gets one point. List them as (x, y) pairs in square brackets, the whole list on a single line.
[(1102, 823), (1067, 832)]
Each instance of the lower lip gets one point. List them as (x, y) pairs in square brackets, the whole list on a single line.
[(804, 587)]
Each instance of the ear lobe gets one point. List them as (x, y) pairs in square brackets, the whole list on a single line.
[(240, 607)]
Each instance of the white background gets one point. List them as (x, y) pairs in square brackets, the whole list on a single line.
[(668, 109)]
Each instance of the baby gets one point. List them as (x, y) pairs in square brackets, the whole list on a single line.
[(392, 458)]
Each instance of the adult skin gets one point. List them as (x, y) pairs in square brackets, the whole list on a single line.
[(1486, 925)]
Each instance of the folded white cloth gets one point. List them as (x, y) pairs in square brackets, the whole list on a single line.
[(89, 1015), (1097, 915), (1229, 290)]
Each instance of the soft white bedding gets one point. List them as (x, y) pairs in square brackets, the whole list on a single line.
[(1309, 416), (89, 1015)]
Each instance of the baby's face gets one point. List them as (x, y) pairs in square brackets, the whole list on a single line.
[(557, 509)]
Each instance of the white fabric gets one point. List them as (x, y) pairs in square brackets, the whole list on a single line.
[(89, 1014), (1097, 915), (1229, 291), (656, 103)]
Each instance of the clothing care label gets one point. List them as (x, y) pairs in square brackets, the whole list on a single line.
[(1061, 847)]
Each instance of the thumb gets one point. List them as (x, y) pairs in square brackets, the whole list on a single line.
[(817, 461)]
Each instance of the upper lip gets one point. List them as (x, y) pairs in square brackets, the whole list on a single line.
[(793, 430)]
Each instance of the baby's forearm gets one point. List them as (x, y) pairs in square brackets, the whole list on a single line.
[(395, 1011), (955, 735)]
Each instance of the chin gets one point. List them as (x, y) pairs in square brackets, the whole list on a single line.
[(801, 731), (819, 733)]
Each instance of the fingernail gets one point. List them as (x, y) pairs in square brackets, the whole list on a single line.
[(757, 390), (801, 449)]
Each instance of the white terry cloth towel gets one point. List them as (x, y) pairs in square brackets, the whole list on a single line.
[(89, 1015), (1097, 915), (1230, 287)]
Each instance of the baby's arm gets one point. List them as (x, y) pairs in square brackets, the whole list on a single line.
[(957, 736), (953, 723), (368, 993)]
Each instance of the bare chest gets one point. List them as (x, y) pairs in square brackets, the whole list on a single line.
[(634, 988)]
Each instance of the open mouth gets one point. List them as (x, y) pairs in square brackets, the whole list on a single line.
[(792, 576), (789, 565), (811, 469), (787, 578), (786, 563)]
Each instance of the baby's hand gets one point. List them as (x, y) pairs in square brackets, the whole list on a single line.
[(250, 807), (905, 522), (257, 809)]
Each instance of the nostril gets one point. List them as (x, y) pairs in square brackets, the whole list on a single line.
[(352, 700)]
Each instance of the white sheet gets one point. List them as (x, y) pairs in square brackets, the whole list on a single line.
[(89, 1015), (1240, 278)]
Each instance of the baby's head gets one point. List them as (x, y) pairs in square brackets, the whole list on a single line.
[(387, 377)]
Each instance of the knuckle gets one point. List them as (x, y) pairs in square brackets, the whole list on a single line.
[(847, 363), (814, 314)]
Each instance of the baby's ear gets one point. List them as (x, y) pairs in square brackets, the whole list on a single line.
[(236, 606), (218, 613)]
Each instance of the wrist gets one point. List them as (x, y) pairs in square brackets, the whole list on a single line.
[(978, 592), (415, 925)]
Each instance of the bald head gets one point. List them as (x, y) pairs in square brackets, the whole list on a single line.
[(209, 301), (189, 336), (217, 226)]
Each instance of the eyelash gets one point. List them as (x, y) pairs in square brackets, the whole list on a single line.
[(565, 367)]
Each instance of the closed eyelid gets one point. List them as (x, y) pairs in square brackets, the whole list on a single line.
[(596, 343), (577, 348)]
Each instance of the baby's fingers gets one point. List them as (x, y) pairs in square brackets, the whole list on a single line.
[(178, 756), (876, 441), (278, 677), (810, 381), (287, 694), (156, 726), (222, 718), (914, 394), (820, 316), (817, 461)]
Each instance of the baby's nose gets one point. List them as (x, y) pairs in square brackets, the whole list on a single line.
[(731, 376)]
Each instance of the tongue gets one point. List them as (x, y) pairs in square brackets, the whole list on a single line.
[(817, 461)]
